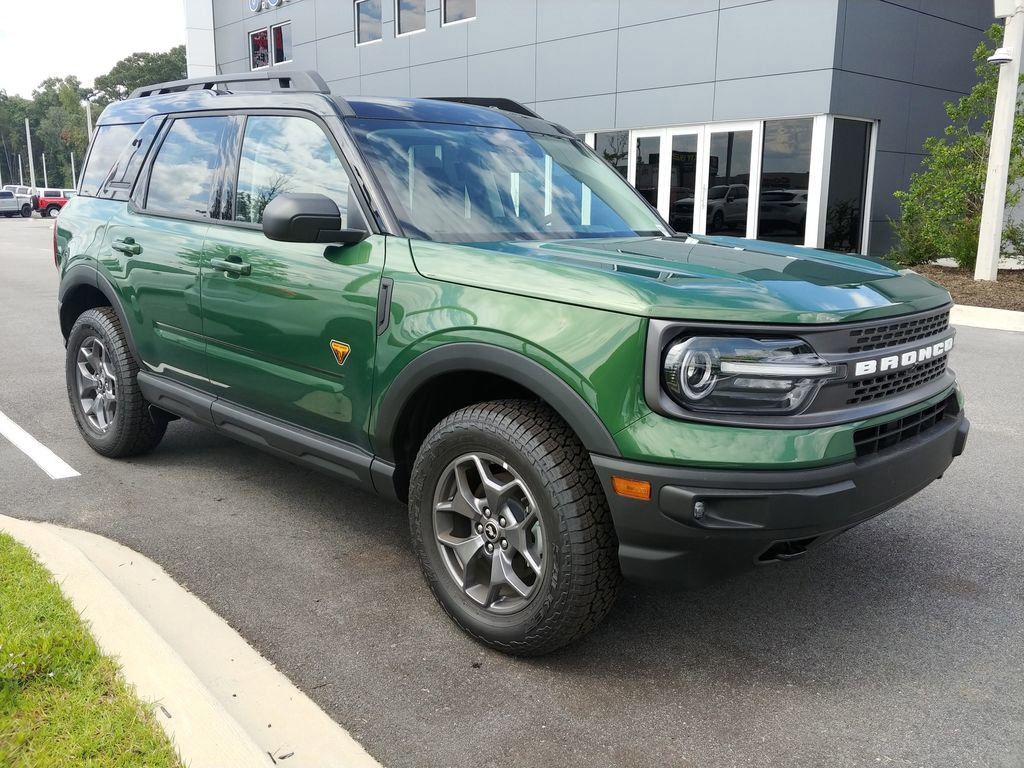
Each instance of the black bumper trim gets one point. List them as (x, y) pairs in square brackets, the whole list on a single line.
[(745, 513)]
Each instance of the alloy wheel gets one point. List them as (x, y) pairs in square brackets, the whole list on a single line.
[(97, 384), (489, 532)]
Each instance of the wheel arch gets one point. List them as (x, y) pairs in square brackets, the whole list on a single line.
[(489, 372), (83, 288)]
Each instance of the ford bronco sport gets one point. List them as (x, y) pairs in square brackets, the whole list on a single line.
[(456, 304)]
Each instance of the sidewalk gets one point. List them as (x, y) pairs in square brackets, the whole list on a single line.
[(222, 704)]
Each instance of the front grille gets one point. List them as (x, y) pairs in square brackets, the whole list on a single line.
[(874, 439), (894, 334), (888, 384)]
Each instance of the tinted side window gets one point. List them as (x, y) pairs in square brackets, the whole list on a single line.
[(6, 195), (286, 154), (107, 143), (124, 172), (185, 176)]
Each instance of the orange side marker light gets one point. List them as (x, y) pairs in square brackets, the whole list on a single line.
[(340, 350), (631, 489)]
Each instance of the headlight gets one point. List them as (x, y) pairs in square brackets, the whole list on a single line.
[(779, 376)]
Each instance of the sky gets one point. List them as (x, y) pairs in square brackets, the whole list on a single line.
[(80, 37)]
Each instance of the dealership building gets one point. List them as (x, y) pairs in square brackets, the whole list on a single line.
[(788, 120)]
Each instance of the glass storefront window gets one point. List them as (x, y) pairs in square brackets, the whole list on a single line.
[(785, 173), (847, 185), (613, 146), (648, 156), (683, 182), (728, 177)]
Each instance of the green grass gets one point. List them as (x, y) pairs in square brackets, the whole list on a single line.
[(62, 703)]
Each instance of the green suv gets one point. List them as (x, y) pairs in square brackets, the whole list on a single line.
[(456, 304)]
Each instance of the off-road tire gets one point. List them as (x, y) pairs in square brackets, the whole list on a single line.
[(51, 211), (26, 211), (580, 579), (134, 430)]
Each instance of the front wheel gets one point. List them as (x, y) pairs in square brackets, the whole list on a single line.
[(52, 211), (101, 372), (512, 528)]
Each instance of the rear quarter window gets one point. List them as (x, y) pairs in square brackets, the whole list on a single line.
[(107, 145)]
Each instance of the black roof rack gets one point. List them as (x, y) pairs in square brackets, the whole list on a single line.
[(495, 103), (299, 81)]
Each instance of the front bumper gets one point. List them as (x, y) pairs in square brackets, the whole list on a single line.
[(704, 524)]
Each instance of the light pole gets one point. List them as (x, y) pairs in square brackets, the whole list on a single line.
[(31, 160), (993, 211)]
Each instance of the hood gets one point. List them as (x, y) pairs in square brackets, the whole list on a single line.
[(687, 278)]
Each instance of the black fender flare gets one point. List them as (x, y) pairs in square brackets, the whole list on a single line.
[(488, 358), (86, 275)]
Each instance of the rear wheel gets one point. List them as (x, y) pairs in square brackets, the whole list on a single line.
[(101, 372), (511, 527), (26, 211)]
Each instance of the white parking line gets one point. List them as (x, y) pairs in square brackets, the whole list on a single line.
[(48, 461)]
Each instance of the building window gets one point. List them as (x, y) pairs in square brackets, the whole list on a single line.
[(785, 173), (270, 46), (281, 36), (847, 185), (259, 49), (368, 21), (613, 146), (454, 11), (411, 16)]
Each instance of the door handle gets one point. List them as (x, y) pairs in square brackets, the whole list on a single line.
[(127, 246), (231, 266)]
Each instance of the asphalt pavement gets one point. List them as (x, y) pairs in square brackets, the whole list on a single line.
[(900, 643)]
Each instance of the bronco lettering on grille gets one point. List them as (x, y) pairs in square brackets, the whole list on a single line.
[(896, 362)]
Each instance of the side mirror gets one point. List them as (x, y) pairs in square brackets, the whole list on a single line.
[(307, 218)]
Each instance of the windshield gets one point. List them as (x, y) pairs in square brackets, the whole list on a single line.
[(465, 184)]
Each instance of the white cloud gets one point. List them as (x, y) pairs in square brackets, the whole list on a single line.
[(84, 38)]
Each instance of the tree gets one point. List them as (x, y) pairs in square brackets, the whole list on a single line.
[(138, 70), (58, 128), (941, 211), (13, 110)]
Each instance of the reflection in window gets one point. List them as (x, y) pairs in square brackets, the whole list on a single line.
[(368, 21), (847, 185), (648, 155), (107, 144), (286, 154), (184, 177), (473, 184), (683, 182), (613, 146), (458, 10), (282, 37), (259, 49), (729, 175), (412, 16), (785, 172)]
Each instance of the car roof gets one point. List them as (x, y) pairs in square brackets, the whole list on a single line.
[(311, 94)]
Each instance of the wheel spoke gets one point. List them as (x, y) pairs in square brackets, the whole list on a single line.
[(465, 549), (502, 576), (497, 493), (86, 374)]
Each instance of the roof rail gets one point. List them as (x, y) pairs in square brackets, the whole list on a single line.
[(305, 81), (495, 103)]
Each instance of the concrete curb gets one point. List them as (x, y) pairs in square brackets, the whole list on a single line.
[(221, 703), (984, 317)]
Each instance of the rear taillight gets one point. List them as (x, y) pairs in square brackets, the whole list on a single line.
[(56, 253)]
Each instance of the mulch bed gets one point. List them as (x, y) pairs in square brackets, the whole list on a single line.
[(1005, 293)]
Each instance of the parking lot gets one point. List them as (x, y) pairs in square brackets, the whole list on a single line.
[(900, 643)]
